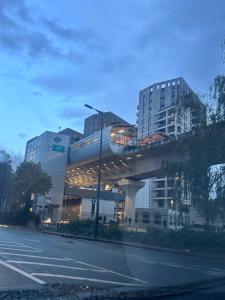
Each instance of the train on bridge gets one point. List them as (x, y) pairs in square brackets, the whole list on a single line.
[(117, 140)]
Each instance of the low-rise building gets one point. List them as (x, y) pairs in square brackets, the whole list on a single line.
[(51, 150)]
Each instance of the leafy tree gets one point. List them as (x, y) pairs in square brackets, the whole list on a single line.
[(202, 148), (29, 179), (16, 160), (5, 180)]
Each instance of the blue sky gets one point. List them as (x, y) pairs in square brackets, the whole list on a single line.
[(57, 55)]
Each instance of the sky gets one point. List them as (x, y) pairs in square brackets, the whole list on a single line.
[(56, 55)]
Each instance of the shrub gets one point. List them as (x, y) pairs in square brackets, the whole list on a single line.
[(18, 217), (183, 239)]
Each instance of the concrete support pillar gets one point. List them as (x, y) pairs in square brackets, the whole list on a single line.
[(130, 187)]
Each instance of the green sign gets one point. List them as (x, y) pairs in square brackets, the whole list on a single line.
[(58, 148)]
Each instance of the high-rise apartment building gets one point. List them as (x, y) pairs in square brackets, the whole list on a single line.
[(173, 108), (92, 124)]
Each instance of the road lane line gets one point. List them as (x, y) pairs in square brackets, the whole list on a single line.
[(18, 249), (30, 276), (14, 245), (85, 279), (32, 240), (111, 271), (36, 256), (53, 265), (192, 268)]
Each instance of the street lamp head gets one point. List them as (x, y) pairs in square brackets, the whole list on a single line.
[(88, 106)]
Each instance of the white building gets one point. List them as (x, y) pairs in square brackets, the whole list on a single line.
[(163, 108), (51, 150)]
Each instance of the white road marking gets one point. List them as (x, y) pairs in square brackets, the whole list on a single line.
[(13, 245), (67, 258), (36, 256), (217, 269), (18, 249), (32, 240), (53, 265), (194, 268), (30, 276), (217, 274), (111, 271), (85, 279)]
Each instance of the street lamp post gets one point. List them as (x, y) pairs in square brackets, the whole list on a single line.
[(101, 113)]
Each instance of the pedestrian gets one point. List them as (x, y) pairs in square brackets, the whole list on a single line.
[(100, 218), (129, 221), (104, 219), (164, 224), (126, 220), (37, 221)]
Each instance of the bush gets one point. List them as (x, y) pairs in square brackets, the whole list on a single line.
[(183, 239), (87, 228), (18, 217)]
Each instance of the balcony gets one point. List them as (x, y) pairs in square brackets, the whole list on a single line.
[(160, 124), (158, 185), (159, 194)]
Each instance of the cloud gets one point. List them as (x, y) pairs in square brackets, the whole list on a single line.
[(37, 93), (85, 81), (22, 135), (119, 63), (87, 37), (72, 113), (40, 37), (24, 14), (12, 75)]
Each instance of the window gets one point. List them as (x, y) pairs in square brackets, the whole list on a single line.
[(136, 216), (173, 101), (161, 203), (145, 217), (162, 102), (171, 129), (157, 219)]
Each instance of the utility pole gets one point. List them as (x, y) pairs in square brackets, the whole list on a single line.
[(101, 113)]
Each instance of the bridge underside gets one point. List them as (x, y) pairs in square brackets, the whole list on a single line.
[(92, 194), (143, 162), (133, 165)]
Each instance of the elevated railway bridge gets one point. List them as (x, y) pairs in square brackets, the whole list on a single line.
[(125, 163)]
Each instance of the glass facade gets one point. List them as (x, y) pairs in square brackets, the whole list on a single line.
[(123, 135), (115, 139)]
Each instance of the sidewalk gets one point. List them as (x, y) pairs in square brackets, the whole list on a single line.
[(186, 252)]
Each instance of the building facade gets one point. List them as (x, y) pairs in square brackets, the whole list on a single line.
[(170, 107), (92, 124), (51, 150), (74, 136)]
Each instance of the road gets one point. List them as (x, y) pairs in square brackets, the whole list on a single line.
[(30, 259)]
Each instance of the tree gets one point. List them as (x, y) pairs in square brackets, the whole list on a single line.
[(5, 180), (201, 148), (29, 179), (16, 160)]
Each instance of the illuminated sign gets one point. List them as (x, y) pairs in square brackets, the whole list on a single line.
[(57, 148)]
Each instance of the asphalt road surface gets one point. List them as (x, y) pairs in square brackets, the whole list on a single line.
[(30, 259)]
